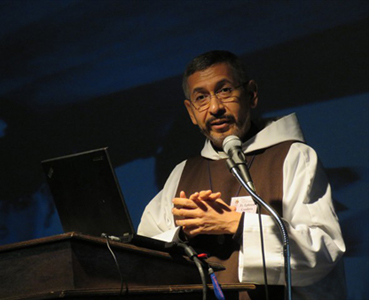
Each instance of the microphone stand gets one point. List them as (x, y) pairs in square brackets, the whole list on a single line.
[(286, 244)]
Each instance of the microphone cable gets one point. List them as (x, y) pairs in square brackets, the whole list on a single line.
[(232, 146), (244, 169), (263, 253), (191, 253), (277, 219), (122, 281), (200, 263)]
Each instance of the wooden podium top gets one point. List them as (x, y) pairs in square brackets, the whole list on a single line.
[(81, 238), (76, 265)]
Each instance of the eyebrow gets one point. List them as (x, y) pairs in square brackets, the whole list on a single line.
[(221, 82)]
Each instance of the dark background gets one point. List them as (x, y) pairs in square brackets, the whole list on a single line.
[(79, 75)]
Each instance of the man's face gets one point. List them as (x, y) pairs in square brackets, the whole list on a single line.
[(220, 119)]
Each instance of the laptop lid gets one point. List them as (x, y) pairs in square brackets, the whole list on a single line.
[(87, 194)]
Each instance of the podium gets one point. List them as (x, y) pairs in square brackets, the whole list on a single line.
[(76, 266)]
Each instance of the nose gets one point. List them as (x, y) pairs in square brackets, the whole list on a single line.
[(216, 105)]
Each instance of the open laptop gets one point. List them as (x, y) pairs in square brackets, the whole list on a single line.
[(88, 197)]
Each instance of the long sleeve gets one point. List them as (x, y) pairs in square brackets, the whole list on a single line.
[(315, 237), (157, 218)]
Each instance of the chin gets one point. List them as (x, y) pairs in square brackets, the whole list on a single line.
[(218, 139)]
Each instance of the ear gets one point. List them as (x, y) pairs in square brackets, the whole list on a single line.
[(252, 89), (190, 111)]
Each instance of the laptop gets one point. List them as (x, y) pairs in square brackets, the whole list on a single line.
[(89, 200)]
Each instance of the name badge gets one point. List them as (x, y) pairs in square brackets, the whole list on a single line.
[(244, 204)]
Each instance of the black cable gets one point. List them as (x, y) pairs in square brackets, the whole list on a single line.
[(191, 253), (282, 227), (122, 282), (263, 253), (244, 170), (202, 275)]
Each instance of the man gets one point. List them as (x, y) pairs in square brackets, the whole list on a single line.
[(195, 203)]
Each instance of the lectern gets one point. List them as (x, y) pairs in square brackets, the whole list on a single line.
[(76, 266)]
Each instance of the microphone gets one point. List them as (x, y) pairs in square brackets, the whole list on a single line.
[(232, 145)]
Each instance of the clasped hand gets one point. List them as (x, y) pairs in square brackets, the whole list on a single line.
[(205, 213)]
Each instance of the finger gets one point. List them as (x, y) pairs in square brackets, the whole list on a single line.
[(187, 231), (188, 223), (214, 196), (194, 196), (182, 194), (189, 204), (203, 195), (219, 206), (192, 231), (220, 201), (184, 203), (187, 214)]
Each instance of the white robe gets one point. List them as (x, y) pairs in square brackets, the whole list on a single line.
[(315, 236)]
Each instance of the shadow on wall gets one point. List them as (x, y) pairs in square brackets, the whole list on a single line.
[(341, 178)]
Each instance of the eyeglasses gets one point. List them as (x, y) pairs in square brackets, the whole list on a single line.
[(202, 101)]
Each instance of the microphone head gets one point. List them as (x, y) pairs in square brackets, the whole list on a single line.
[(230, 142)]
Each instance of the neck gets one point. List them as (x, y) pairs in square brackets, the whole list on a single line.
[(250, 133)]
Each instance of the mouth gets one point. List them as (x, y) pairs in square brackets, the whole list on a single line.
[(220, 125)]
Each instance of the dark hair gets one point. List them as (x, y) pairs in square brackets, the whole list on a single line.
[(208, 59)]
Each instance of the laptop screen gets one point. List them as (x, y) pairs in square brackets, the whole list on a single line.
[(87, 194)]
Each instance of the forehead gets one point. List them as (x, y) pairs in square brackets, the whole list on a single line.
[(208, 78)]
